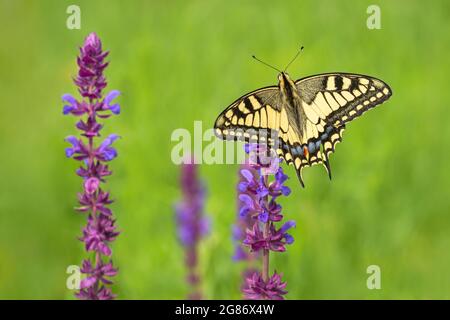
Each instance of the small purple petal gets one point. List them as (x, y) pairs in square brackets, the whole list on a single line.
[(263, 217), (111, 96), (247, 175), (109, 154), (72, 140), (69, 152), (115, 108), (69, 98), (247, 200), (289, 239), (289, 224), (285, 191), (242, 186), (88, 282), (67, 109), (109, 140), (243, 212)]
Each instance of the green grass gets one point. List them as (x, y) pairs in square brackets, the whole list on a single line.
[(187, 60)]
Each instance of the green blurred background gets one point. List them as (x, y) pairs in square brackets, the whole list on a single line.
[(182, 61)]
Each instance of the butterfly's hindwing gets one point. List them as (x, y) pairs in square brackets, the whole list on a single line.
[(315, 151)]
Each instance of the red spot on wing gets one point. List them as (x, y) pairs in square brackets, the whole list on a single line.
[(306, 152)]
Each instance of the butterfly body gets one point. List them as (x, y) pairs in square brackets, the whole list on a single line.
[(308, 115)]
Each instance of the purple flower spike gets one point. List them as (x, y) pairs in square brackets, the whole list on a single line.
[(100, 231), (258, 197), (192, 223)]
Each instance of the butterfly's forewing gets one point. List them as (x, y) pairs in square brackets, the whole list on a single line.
[(256, 111), (338, 98)]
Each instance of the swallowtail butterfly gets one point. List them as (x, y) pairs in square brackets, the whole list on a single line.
[(309, 115)]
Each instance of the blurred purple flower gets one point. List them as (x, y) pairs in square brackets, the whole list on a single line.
[(191, 221), (100, 230)]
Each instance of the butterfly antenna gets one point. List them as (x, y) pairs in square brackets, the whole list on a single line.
[(293, 59), (254, 57)]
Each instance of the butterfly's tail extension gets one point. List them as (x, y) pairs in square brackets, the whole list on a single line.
[(326, 163), (300, 177)]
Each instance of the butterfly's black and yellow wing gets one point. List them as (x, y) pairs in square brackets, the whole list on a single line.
[(246, 117), (328, 102)]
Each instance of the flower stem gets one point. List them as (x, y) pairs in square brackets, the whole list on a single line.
[(265, 257)]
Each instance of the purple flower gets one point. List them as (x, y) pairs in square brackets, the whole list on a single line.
[(93, 293), (258, 289), (95, 202), (191, 221), (100, 231), (77, 147), (102, 272), (97, 170), (90, 80), (105, 152), (258, 196), (90, 127), (72, 104), (276, 188), (252, 184), (274, 240)]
